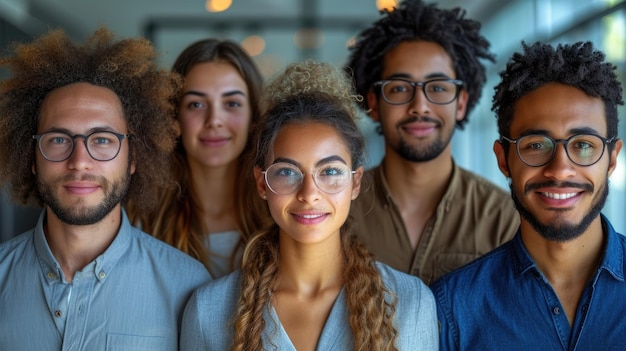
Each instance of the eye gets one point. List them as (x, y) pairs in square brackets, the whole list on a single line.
[(233, 104), (195, 105), (397, 87)]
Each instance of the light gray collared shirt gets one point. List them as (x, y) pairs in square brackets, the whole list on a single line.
[(129, 298)]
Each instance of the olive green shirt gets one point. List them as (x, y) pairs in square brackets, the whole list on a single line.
[(473, 217)]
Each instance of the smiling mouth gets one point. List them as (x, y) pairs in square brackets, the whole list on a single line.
[(310, 216), (559, 196)]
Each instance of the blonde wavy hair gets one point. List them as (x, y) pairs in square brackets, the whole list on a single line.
[(311, 92)]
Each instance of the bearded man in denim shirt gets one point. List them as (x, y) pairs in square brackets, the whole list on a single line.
[(82, 128), (559, 284)]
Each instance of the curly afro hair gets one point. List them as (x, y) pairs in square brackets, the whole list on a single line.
[(414, 21), (126, 67), (578, 65)]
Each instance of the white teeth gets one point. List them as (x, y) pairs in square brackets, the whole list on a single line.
[(559, 196), (310, 216)]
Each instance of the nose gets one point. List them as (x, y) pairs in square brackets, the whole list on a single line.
[(79, 158), (308, 192), (560, 167), (419, 105), (213, 117)]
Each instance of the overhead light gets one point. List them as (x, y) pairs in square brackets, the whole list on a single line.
[(218, 5), (386, 4)]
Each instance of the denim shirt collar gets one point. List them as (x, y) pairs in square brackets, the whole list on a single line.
[(99, 268), (612, 262)]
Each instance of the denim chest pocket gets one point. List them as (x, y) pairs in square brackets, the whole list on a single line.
[(123, 342)]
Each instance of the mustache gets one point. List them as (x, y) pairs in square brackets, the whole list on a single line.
[(414, 119), (81, 177), (552, 184)]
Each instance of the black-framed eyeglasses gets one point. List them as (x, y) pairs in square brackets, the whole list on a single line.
[(101, 145), (284, 178), (538, 150), (399, 91)]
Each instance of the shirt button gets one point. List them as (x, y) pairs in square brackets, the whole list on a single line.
[(58, 313), (51, 275), (556, 310), (102, 275)]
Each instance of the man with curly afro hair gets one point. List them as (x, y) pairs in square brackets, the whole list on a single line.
[(419, 71), (559, 284), (82, 128)]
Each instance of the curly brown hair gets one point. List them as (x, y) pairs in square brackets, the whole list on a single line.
[(313, 92), (127, 67)]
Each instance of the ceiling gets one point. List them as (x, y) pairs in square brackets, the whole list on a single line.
[(173, 24)]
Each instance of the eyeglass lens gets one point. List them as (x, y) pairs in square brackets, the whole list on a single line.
[(399, 91), (284, 178), (538, 150), (58, 146)]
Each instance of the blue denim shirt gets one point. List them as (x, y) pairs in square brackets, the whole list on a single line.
[(502, 302), (129, 298)]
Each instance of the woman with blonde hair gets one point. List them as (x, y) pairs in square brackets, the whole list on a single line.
[(209, 213), (306, 283)]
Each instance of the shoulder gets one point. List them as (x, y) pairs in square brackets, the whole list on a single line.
[(167, 256), (217, 299), (481, 185), (402, 284), (478, 272)]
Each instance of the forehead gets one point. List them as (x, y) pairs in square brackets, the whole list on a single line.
[(214, 73), (419, 60), (308, 143), (559, 110), (81, 106)]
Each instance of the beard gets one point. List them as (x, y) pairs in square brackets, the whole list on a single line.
[(560, 231), (114, 193), (426, 153)]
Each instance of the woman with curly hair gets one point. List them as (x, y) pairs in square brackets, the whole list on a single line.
[(209, 214), (306, 282)]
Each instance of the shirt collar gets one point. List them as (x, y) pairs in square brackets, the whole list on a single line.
[(99, 268), (613, 261), (382, 188)]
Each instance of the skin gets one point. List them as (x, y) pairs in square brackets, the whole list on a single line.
[(81, 184), (560, 111), (215, 115), (420, 126), (311, 258)]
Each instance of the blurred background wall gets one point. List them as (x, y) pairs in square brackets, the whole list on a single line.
[(278, 32)]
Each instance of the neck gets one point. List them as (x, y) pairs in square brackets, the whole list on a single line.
[(214, 188), (577, 259), (417, 184), (75, 246), (310, 268)]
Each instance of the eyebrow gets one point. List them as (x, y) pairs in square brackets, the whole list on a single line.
[(226, 94), (434, 75), (573, 131), (317, 164), (89, 131)]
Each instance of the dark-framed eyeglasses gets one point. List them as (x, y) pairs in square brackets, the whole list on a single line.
[(399, 91), (538, 150), (101, 145), (284, 178)]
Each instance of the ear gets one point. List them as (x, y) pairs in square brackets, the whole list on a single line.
[(613, 155), (461, 105), (356, 182), (33, 169), (372, 103), (498, 149), (132, 162), (259, 179)]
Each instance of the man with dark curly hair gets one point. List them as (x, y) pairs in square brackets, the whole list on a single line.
[(559, 284), (82, 128), (419, 70)]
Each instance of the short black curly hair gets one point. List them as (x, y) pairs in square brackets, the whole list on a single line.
[(127, 67), (578, 65), (414, 21)]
